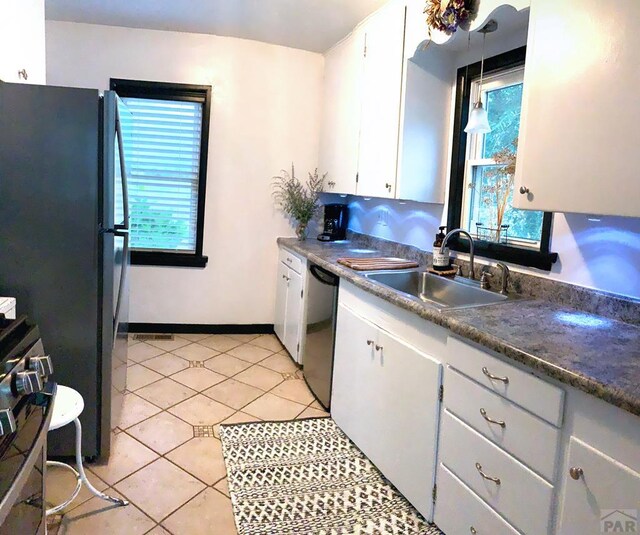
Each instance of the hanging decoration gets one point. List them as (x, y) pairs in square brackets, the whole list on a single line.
[(447, 15)]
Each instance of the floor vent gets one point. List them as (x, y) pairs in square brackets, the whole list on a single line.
[(203, 431), (196, 364), (144, 337)]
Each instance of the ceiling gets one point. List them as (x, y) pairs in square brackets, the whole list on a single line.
[(313, 25)]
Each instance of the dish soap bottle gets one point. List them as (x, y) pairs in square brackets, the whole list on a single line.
[(440, 260)]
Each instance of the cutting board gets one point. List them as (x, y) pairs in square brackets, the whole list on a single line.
[(372, 264)]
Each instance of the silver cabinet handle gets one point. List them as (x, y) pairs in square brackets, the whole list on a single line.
[(495, 480), (22, 73), (379, 348), (505, 380), (524, 190), (369, 342), (491, 420), (473, 530), (576, 472)]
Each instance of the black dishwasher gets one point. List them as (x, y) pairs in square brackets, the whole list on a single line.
[(320, 328)]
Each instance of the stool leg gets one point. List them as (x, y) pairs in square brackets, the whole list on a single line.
[(83, 476)]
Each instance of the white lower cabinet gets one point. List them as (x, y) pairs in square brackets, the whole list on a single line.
[(385, 398), (281, 300), (600, 495), (510, 488), (289, 312), (292, 320), (463, 512)]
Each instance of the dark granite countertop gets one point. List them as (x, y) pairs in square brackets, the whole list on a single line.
[(597, 355)]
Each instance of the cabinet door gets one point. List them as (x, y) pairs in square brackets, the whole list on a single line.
[(293, 316), (381, 87), (22, 41), (281, 301), (604, 499), (341, 115), (578, 136), (406, 409), (352, 394)]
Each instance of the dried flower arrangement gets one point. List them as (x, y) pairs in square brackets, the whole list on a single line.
[(297, 200), (497, 192), (447, 15)]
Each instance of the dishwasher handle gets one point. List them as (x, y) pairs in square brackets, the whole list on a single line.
[(324, 276)]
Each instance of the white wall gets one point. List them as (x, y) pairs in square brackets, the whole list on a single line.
[(265, 114)]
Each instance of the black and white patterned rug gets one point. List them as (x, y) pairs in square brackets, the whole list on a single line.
[(306, 477)]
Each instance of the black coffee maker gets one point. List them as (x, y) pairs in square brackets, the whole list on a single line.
[(336, 218)]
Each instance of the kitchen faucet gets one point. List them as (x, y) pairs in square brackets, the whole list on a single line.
[(460, 231)]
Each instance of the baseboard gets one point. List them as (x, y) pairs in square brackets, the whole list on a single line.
[(195, 328)]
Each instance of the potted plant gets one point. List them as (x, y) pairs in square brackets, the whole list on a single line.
[(298, 201)]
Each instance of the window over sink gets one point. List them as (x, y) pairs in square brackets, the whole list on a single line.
[(166, 155), (483, 168)]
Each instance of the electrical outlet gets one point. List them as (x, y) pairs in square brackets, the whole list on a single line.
[(383, 217)]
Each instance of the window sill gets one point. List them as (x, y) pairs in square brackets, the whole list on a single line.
[(507, 253), (147, 258)]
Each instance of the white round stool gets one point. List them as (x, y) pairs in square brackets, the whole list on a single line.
[(67, 407)]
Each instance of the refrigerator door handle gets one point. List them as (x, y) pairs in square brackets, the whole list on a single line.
[(123, 171), (123, 278), (117, 230)]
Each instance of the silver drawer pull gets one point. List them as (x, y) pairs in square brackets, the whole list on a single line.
[(496, 480), (505, 380), (369, 342), (491, 420)]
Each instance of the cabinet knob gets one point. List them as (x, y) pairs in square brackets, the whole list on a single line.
[(379, 348), (388, 186), (369, 342), (576, 472), (524, 190), (7, 422), (473, 530), (22, 73)]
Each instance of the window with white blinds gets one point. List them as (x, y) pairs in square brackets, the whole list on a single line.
[(163, 163)]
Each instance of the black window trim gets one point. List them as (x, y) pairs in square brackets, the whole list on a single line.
[(190, 93), (542, 259)]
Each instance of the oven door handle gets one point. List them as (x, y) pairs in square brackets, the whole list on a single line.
[(35, 453)]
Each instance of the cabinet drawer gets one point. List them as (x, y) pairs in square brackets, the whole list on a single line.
[(528, 391), (291, 260), (521, 497), (459, 510), (527, 437)]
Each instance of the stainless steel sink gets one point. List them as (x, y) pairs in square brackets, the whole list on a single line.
[(440, 292)]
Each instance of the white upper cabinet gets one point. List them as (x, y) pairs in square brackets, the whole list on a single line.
[(340, 133), (22, 43), (381, 92), (578, 136)]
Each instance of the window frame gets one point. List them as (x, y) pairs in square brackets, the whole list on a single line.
[(542, 259), (176, 92)]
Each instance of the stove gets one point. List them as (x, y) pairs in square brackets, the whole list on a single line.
[(26, 406)]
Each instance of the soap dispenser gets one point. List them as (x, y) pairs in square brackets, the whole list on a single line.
[(440, 260)]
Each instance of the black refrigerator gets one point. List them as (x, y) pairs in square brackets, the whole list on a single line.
[(64, 242)]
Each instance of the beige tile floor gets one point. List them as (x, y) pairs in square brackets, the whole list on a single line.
[(166, 456)]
